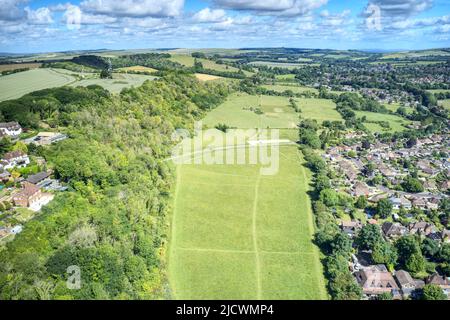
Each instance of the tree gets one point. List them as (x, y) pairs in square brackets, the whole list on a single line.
[(430, 248), (384, 208), (409, 254), (322, 182), (329, 197), (412, 185), (385, 296), (341, 245), (361, 202), (433, 292), (344, 287), (384, 253), (368, 237)]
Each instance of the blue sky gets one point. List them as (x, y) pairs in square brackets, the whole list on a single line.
[(58, 25)]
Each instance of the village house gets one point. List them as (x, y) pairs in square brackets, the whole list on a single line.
[(400, 202), (440, 281), (30, 196), (407, 284), (14, 159), (351, 227), (393, 230), (38, 177), (376, 280), (422, 228), (360, 189), (12, 129)]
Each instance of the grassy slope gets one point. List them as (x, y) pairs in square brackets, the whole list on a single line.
[(319, 109), (397, 123), (258, 245), (16, 85), (277, 113), (119, 82)]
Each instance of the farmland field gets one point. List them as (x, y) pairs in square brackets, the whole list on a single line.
[(236, 112), (116, 85), (319, 109), (258, 246), (138, 69), (206, 77), (14, 66), (396, 123), (279, 64), (293, 88), (16, 85), (207, 64)]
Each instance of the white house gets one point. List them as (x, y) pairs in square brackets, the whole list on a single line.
[(14, 159), (12, 129)]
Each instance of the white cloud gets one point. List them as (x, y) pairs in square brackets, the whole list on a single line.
[(207, 15), (401, 8), (134, 8), (273, 7), (39, 16), (10, 10)]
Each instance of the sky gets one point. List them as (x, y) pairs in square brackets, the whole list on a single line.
[(31, 26)]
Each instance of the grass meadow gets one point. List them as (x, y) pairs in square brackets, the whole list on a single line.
[(319, 109), (235, 112), (396, 123), (251, 239), (238, 234), (18, 84)]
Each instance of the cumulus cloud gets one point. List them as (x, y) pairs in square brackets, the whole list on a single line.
[(134, 8), (207, 15), (401, 8), (273, 7), (10, 10), (39, 16)]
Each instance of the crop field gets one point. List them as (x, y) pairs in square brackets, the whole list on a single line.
[(396, 123), (257, 246), (239, 111), (318, 109), (138, 69), (188, 61), (289, 66), (118, 82), (394, 107), (293, 88), (14, 66), (16, 85), (285, 77), (206, 77)]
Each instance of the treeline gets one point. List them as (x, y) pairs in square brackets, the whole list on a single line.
[(112, 223), (7, 72)]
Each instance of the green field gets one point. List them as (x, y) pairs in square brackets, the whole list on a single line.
[(257, 246), (319, 109), (445, 103), (235, 112), (293, 88), (394, 107), (285, 65), (396, 123), (18, 84), (238, 234), (119, 81)]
